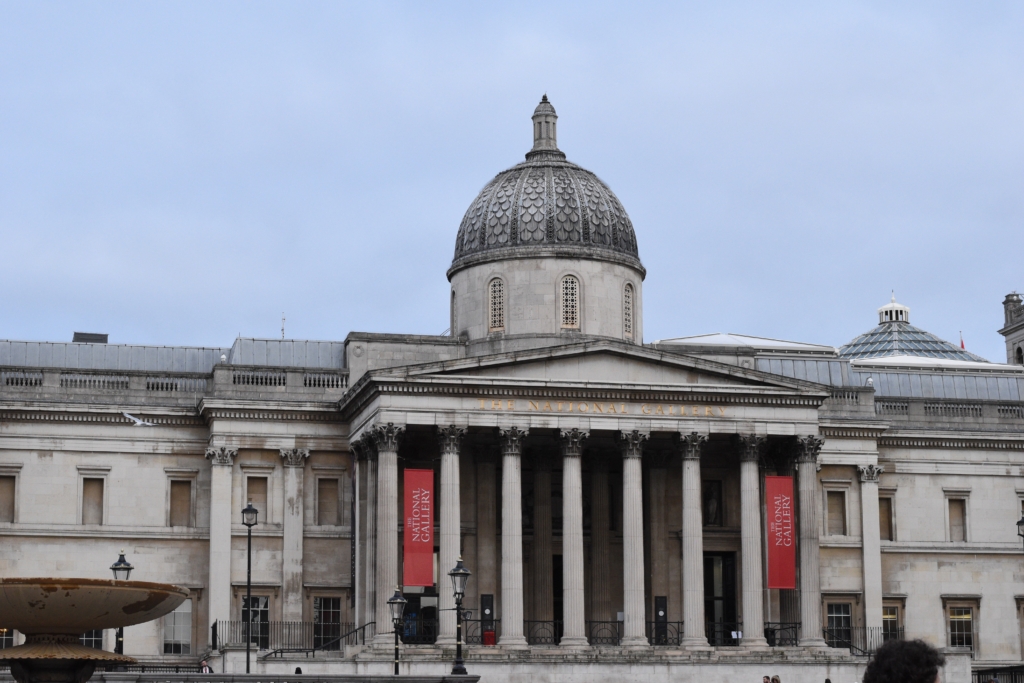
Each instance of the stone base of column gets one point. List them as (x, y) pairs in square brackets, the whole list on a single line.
[(635, 643), (573, 643), (513, 643), (754, 642), (383, 641), (695, 644), (445, 641), (813, 642)]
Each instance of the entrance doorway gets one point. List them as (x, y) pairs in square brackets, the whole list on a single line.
[(720, 599)]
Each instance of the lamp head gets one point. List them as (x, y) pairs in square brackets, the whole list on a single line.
[(1020, 527), (249, 515), (397, 603), (122, 568), (460, 577)]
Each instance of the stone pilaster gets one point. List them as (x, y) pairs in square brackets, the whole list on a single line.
[(450, 440), (386, 439), (366, 559), (512, 539), (294, 461), (871, 545), (808, 448), (634, 633), (542, 596), (750, 540), (219, 586), (574, 633), (694, 636)]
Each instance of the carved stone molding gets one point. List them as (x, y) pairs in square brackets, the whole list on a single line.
[(751, 446), (632, 443), (512, 441), (294, 457), (387, 437), (221, 456), (450, 438), (572, 442), (870, 472), (808, 448), (691, 445)]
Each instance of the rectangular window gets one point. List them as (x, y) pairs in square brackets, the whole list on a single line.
[(92, 501), (181, 503), (259, 609), (836, 513), (6, 499), (178, 630), (327, 507), (327, 623), (93, 638), (6, 638), (885, 519), (256, 493), (961, 627), (891, 623), (839, 627), (957, 519)]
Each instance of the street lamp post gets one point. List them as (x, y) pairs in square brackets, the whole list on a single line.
[(249, 516), (459, 576), (122, 570), (396, 603), (1020, 527)]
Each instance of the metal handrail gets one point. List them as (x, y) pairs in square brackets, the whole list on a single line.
[(311, 651), (665, 632), (782, 633), (542, 632), (604, 632)]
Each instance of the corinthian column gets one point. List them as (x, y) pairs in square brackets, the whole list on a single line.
[(574, 633), (386, 439), (450, 439), (294, 460), (694, 637), (219, 586), (872, 545), (634, 631), (810, 562), (750, 540), (366, 540), (511, 539)]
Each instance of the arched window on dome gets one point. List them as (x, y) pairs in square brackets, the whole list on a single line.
[(627, 311), (496, 306), (570, 303)]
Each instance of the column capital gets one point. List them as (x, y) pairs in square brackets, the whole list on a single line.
[(221, 456), (751, 446), (512, 441), (294, 457), (691, 445), (632, 443), (808, 448), (869, 473), (387, 437), (364, 448), (572, 442), (449, 438)]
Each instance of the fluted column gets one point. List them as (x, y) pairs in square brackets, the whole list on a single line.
[(574, 633), (221, 512), (366, 542), (871, 545), (386, 439), (634, 633), (694, 637), (810, 562), (450, 439), (511, 539), (294, 460), (750, 540)]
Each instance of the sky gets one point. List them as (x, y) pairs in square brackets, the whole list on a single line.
[(184, 173)]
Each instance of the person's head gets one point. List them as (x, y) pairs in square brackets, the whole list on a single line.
[(828, 680), (904, 661), (203, 663), (776, 679), (766, 679)]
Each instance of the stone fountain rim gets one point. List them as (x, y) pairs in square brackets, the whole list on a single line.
[(150, 585)]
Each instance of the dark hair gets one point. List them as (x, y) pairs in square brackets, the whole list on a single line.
[(904, 661)]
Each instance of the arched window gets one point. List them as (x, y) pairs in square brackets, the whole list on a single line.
[(496, 306), (627, 311), (570, 302)]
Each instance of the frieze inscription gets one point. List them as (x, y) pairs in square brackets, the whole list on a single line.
[(601, 408)]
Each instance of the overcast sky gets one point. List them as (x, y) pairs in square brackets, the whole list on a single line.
[(181, 173)]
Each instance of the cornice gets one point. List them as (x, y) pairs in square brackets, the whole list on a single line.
[(950, 441), (842, 429), (272, 411), (77, 414)]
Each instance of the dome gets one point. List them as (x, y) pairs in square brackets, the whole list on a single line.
[(545, 206)]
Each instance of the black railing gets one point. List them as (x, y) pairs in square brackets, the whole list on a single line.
[(782, 633), (481, 631), (294, 636), (419, 631), (356, 636), (543, 632), (721, 633), (665, 632), (604, 632), (1003, 674), (861, 640), (150, 668)]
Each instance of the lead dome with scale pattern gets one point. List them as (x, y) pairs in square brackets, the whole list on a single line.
[(545, 206)]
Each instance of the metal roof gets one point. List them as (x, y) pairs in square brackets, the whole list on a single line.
[(903, 339), (79, 356)]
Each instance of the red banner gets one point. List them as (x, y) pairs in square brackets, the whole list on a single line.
[(419, 528), (778, 493)]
